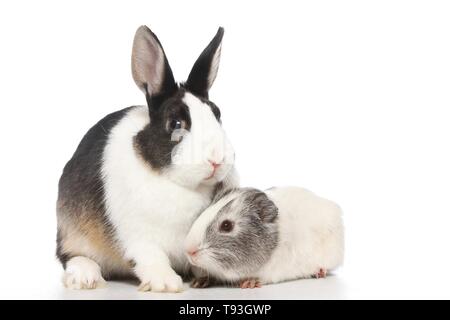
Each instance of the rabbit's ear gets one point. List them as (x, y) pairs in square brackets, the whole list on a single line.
[(204, 71), (149, 65)]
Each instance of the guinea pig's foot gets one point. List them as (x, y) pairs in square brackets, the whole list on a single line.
[(321, 274), (202, 282), (250, 284)]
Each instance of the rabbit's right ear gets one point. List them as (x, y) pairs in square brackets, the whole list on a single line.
[(149, 65), (204, 71)]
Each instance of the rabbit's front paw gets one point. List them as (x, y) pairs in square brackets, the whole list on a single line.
[(83, 273), (162, 281)]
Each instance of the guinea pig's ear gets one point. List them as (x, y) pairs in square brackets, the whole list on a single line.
[(149, 65), (204, 71), (267, 210)]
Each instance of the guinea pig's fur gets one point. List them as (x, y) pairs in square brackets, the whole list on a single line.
[(277, 235)]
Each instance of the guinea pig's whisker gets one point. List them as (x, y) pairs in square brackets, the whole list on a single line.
[(203, 248)]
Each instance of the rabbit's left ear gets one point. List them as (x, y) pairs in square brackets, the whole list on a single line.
[(204, 71)]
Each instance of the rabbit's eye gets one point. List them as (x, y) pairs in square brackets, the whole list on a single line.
[(226, 226), (175, 124)]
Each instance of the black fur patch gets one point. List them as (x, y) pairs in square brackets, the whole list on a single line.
[(154, 143), (60, 254), (197, 81), (81, 194)]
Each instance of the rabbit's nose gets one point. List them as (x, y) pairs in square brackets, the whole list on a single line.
[(215, 164)]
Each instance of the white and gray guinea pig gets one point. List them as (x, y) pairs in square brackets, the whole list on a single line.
[(252, 237)]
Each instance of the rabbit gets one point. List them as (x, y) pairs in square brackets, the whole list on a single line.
[(250, 237), (141, 176)]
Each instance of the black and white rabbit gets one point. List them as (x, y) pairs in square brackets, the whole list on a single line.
[(252, 237), (141, 176)]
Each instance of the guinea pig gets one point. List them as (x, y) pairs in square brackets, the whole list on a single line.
[(252, 237)]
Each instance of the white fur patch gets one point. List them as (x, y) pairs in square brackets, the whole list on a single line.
[(159, 280), (151, 213), (83, 273), (205, 142), (311, 235)]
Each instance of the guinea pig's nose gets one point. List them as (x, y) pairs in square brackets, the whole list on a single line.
[(192, 251)]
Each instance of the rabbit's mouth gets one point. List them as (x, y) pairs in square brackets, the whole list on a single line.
[(213, 173), (215, 167)]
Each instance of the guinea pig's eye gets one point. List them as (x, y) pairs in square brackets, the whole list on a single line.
[(226, 226), (174, 124)]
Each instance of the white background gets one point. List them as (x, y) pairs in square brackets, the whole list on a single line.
[(350, 99)]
